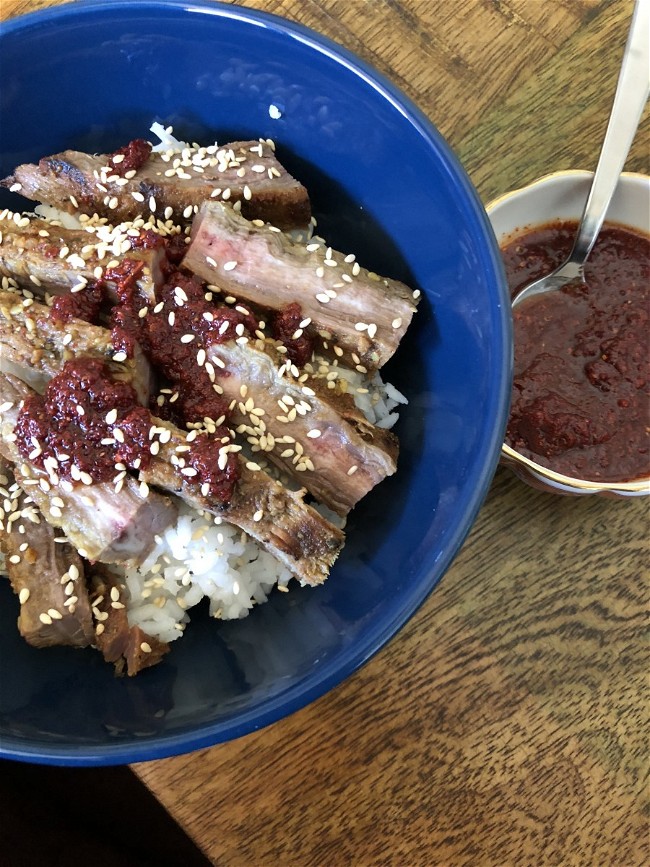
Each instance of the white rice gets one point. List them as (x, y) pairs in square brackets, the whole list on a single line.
[(167, 141), (376, 399), (198, 558), (49, 212)]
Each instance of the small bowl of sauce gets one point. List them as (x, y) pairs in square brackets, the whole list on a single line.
[(580, 413)]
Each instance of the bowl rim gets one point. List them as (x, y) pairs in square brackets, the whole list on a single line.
[(641, 485), (559, 175), (270, 710)]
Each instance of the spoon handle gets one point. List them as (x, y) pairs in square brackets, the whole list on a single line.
[(631, 95)]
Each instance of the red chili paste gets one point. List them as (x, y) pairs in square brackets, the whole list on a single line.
[(286, 323), (581, 390), (176, 335), (68, 423), (135, 154), (84, 305)]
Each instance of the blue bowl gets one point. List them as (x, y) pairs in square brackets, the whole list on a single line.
[(383, 183)]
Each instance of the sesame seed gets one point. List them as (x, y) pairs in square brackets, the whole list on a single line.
[(145, 647), (111, 417), (152, 204), (45, 619), (24, 595), (258, 515), (396, 323), (314, 433), (229, 266), (144, 489), (187, 338)]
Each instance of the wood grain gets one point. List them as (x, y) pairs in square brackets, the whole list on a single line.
[(508, 723)]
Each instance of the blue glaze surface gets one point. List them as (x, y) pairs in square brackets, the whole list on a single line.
[(383, 184)]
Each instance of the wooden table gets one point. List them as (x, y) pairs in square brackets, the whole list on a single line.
[(507, 724)]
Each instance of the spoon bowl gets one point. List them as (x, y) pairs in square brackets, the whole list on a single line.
[(570, 272)]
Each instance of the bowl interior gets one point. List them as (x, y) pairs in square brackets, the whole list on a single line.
[(562, 196), (384, 185)]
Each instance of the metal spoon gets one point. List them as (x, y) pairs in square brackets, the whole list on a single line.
[(631, 95)]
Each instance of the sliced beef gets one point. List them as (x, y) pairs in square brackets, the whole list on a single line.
[(245, 172), (46, 575), (345, 306), (273, 515), (127, 647), (102, 522), (38, 346), (44, 257), (115, 526), (319, 438)]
